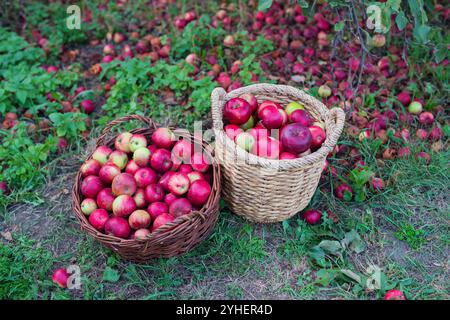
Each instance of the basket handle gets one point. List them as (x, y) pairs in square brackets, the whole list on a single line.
[(217, 98), (109, 126), (336, 116)]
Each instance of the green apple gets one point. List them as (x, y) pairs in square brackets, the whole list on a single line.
[(249, 124), (292, 106), (415, 107), (324, 91), (245, 140)]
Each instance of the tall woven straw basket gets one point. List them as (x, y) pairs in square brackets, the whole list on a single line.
[(265, 190)]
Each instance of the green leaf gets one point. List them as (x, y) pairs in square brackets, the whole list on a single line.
[(339, 26), (303, 3), (441, 52), (353, 241), (421, 32), (394, 4), (331, 246), (401, 20), (263, 5), (325, 276), (110, 275)]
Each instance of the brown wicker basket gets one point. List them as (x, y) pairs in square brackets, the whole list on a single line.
[(173, 238), (265, 190)]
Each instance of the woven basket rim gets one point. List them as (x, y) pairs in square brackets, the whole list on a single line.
[(334, 121), (209, 208)]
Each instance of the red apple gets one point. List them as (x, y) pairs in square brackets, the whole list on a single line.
[(98, 219), (237, 111), (105, 199), (182, 151), (232, 130), (141, 234), (169, 198), (251, 99), (60, 277), (117, 227), (139, 198), (426, 118), (91, 186), (124, 183), (163, 181), (295, 138), (267, 103), (161, 160), (141, 156), (123, 205), (162, 220), (259, 132), (199, 192), (271, 117), (144, 177), (267, 148), (185, 168), (180, 207), (318, 137), (108, 172), (157, 208), (101, 154), (122, 142), (90, 168), (163, 138), (139, 219), (137, 141), (200, 162), (154, 193), (132, 167), (344, 192), (178, 183), (287, 156), (312, 216), (394, 294), (87, 106), (88, 205), (302, 117)]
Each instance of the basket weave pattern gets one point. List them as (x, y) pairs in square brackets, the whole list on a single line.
[(266, 190), (173, 238)]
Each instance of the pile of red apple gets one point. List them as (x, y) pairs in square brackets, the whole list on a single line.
[(268, 130), (133, 190)]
